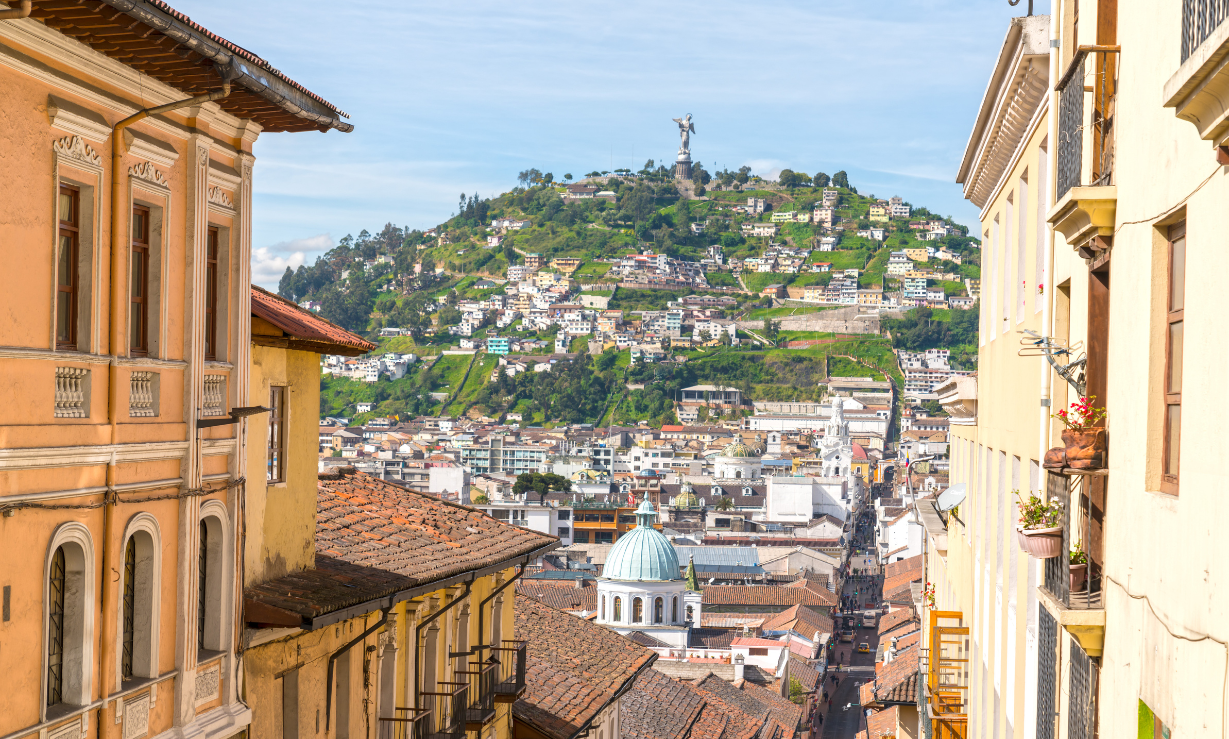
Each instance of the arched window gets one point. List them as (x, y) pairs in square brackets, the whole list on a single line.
[(69, 597), (738, 474), (211, 593), (674, 610), (659, 608), (638, 610), (140, 599), (602, 611), (748, 492), (690, 617), (618, 609)]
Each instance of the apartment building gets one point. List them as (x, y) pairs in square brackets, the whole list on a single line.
[(127, 169), (495, 454)]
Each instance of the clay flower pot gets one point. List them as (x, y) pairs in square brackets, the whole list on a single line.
[(1085, 448), (1041, 543), (1055, 459), (1078, 572)]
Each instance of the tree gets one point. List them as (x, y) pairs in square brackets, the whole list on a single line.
[(772, 329), (797, 693), (933, 408), (568, 176), (821, 179), (725, 503), (787, 178), (841, 179), (285, 285)]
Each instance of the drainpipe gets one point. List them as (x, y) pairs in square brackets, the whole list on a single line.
[(1047, 303), (328, 695), (117, 229), (431, 619), (497, 591), (22, 11)]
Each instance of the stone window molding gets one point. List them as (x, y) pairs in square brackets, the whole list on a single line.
[(143, 394), (144, 531), (77, 165), (218, 556), (77, 661), (72, 392)]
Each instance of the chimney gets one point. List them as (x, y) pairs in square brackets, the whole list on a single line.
[(738, 667), (580, 582)]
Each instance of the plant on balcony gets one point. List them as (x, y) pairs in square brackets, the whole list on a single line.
[(1040, 532), (928, 593), (1084, 437), (481, 499), (1078, 565)]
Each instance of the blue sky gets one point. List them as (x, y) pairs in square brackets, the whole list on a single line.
[(459, 96)]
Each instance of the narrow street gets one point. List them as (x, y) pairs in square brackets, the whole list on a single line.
[(843, 715)]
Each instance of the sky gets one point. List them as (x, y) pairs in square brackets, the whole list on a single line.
[(458, 97)]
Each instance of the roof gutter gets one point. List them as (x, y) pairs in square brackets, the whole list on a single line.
[(269, 85)]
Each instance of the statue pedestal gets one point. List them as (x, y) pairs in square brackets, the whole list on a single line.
[(682, 169)]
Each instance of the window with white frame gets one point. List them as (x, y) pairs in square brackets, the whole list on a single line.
[(212, 554), (139, 600), (69, 597)]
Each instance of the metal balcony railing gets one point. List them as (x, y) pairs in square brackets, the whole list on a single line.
[(406, 723), (446, 711), (479, 684), (1083, 524), (1199, 19), (510, 683), (1071, 126)]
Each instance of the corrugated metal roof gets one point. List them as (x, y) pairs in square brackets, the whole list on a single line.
[(719, 555)]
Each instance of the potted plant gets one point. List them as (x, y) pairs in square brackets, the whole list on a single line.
[(1084, 437), (1079, 567), (1040, 532)]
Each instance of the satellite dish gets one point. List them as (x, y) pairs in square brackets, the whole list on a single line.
[(952, 497)]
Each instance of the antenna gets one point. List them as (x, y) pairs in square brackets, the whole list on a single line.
[(1055, 351)]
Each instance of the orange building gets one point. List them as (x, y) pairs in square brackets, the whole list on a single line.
[(127, 186)]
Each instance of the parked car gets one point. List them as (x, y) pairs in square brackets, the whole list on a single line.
[(864, 647)]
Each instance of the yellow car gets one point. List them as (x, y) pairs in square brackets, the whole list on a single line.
[(864, 648)]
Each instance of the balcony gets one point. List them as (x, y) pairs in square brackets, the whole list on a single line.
[(958, 396), (445, 710), (406, 723), (1087, 197), (946, 687), (478, 683), (1079, 610), (1199, 91), (510, 681)]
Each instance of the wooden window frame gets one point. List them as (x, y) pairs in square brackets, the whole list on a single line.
[(1169, 480), (70, 228), (139, 305), (275, 465), (212, 250)]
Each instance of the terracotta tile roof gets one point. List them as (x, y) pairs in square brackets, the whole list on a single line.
[(782, 710), (374, 539), (895, 618), (646, 640), (556, 595), (659, 707), (801, 620), (896, 681), (882, 723), (894, 584), (734, 620), (575, 669), (306, 330), (751, 641), (744, 714), (902, 595), (892, 569), (909, 639), (711, 723), (805, 673), (765, 595)]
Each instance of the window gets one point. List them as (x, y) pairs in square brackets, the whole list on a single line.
[(758, 651), (607, 517), (626, 518), (211, 594), (138, 320), (69, 619), (580, 537), (66, 279), (603, 537), (637, 610), (674, 610), (1173, 358), (565, 515), (130, 608), (58, 585), (690, 615), (602, 610), (211, 295), (564, 531), (659, 608), (202, 586), (277, 435), (618, 609), (139, 600)]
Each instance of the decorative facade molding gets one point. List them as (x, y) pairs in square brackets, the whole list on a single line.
[(146, 171), (218, 196), (208, 684), (73, 147)]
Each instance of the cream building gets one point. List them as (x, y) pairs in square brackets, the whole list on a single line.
[(1092, 158)]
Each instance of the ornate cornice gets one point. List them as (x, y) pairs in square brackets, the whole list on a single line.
[(147, 172), (218, 196), (73, 147)]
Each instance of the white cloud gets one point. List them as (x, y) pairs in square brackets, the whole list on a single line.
[(319, 242), (268, 268)]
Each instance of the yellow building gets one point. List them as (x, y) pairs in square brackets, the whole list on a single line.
[(566, 265), (126, 171), (878, 213), (366, 613), (917, 254)]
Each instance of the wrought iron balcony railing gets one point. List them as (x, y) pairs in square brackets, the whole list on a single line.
[(479, 685), (406, 723), (1199, 19), (510, 683), (1071, 88), (446, 711), (1083, 523)]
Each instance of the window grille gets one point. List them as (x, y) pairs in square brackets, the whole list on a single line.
[(71, 396), (1047, 670), (202, 591), (1081, 709), (1070, 131), (55, 629), (130, 597), (1199, 19)]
